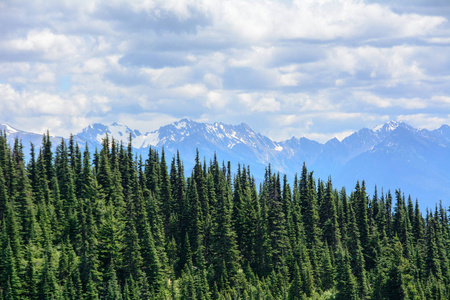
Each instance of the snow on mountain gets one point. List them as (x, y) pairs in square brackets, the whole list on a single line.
[(97, 132), (387, 127), (27, 138), (392, 155), (8, 129)]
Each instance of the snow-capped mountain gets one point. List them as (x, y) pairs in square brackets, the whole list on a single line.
[(28, 138), (237, 143), (392, 155)]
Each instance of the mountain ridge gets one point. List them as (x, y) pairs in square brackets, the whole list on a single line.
[(392, 155)]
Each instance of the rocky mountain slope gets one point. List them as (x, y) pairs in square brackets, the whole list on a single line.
[(392, 155)]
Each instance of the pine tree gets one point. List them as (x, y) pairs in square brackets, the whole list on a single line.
[(327, 272), (165, 193), (329, 218), (119, 228), (401, 223), (10, 233), (346, 285), (311, 221), (113, 289), (9, 273), (104, 173), (361, 216), (249, 224), (88, 251), (30, 276), (3, 195), (110, 243), (22, 195), (432, 262), (132, 259), (47, 285), (394, 286), (280, 248), (225, 255), (357, 260), (295, 290)]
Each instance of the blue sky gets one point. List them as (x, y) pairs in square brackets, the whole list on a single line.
[(314, 68)]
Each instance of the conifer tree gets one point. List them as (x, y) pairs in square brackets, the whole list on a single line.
[(361, 216), (295, 290), (346, 285), (47, 284), (225, 255), (3, 195), (249, 223), (104, 173), (132, 259), (165, 196), (117, 228), (110, 243), (9, 273), (112, 289), (356, 257), (329, 218), (30, 276), (22, 194)]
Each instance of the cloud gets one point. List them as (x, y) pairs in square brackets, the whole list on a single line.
[(52, 111), (429, 121), (393, 65), (43, 44), (300, 67), (436, 103), (255, 21), (260, 104)]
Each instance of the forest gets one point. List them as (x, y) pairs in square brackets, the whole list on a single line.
[(111, 225)]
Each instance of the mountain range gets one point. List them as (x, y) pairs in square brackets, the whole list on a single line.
[(392, 155)]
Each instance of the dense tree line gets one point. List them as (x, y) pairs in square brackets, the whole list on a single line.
[(110, 225)]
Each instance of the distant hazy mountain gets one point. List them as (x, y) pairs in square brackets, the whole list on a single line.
[(392, 155)]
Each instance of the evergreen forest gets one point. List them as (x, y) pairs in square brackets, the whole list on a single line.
[(107, 224)]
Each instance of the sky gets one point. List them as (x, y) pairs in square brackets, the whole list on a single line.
[(313, 68)]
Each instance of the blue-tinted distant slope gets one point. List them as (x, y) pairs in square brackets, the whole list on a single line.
[(392, 155)]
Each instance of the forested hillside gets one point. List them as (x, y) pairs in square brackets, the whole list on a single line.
[(109, 225)]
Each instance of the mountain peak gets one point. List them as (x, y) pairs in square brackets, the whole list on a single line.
[(333, 141), (188, 120), (96, 126), (390, 126), (389, 154), (244, 125), (8, 129), (183, 123)]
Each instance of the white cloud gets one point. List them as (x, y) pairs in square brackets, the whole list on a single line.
[(445, 100), (14, 67), (305, 63), (146, 121), (213, 80), (423, 120), (319, 20), (166, 77), (48, 44), (395, 65), (388, 102), (439, 40), (95, 65), (260, 103), (24, 107), (191, 91), (217, 100), (373, 100)]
